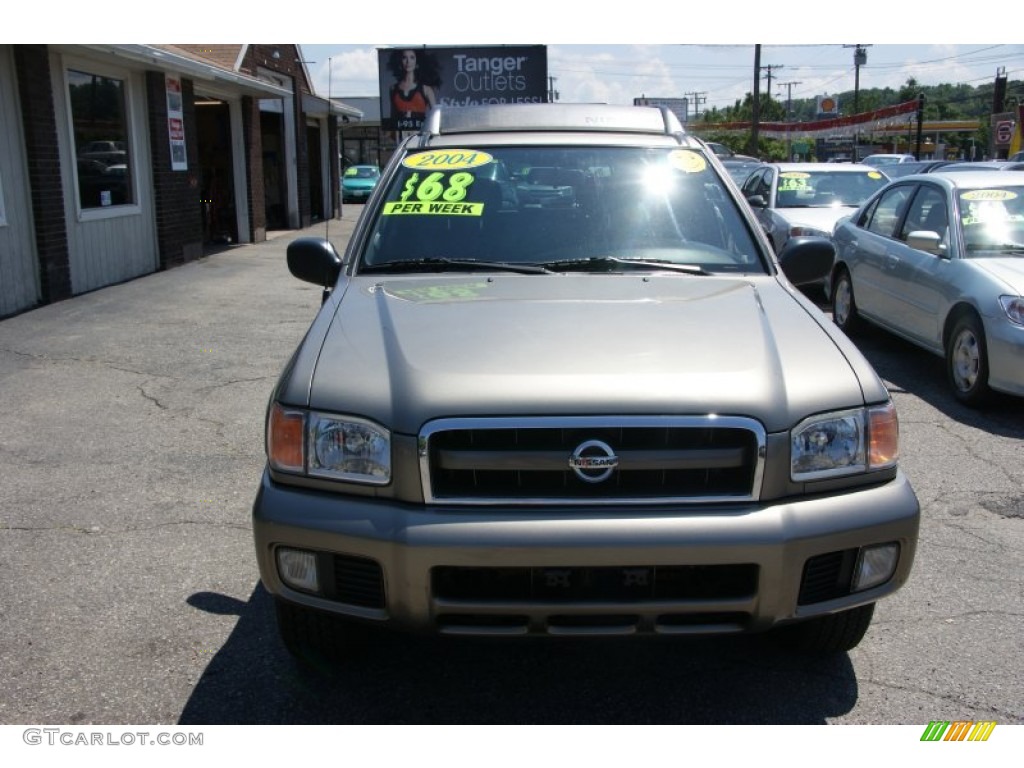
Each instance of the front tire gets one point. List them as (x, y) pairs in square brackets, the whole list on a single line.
[(967, 361), (834, 633), (844, 306)]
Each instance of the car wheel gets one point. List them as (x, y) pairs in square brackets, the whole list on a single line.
[(844, 306), (967, 361), (834, 633), (315, 638)]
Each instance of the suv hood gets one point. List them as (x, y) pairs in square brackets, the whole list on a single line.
[(404, 350)]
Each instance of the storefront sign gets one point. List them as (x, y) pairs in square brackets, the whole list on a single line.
[(176, 125)]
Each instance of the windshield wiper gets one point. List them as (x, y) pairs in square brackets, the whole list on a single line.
[(439, 264), (609, 263)]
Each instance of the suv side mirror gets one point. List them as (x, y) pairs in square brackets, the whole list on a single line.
[(757, 201), (314, 260), (807, 260)]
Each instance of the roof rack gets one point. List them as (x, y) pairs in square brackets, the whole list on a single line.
[(443, 121)]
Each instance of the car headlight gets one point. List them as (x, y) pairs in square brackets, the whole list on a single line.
[(844, 443), (799, 230), (325, 445), (1013, 306)]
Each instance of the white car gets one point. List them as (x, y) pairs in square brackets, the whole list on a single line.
[(807, 199), (879, 160)]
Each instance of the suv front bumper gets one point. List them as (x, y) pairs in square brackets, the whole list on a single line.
[(618, 570)]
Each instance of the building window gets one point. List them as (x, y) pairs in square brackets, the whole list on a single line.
[(100, 131)]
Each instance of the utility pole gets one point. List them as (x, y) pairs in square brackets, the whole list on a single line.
[(756, 111), (697, 98), (552, 93), (860, 58), (770, 67), (789, 115)]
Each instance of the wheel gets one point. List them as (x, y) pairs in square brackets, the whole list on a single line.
[(844, 307), (318, 639), (967, 361), (834, 633)]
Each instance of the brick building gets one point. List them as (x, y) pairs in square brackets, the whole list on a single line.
[(121, 160)]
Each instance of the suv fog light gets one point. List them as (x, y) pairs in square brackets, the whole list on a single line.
[(298, 569), (876, 565)]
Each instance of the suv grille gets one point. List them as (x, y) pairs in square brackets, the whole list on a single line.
[(638, 460)]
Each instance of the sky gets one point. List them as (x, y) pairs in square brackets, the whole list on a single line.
[(597, 51), (713, 75)]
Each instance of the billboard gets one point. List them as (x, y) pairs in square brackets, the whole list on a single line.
[(412, 80), (679, 107)]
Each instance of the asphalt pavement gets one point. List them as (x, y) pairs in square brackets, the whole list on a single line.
[(131, 423)]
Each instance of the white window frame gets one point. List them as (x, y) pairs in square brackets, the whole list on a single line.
[(125, 76)]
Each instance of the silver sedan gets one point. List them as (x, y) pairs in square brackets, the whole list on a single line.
[(938, 259)]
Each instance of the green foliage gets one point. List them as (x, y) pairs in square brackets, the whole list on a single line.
[(941, 102)]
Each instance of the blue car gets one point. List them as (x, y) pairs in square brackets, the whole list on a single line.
[(358, 183)]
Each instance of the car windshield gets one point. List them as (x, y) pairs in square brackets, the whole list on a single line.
[(362, 172), (827, 188), (993, 220), (583, 208)]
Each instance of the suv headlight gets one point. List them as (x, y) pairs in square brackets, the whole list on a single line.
[(844, 443), (325, 445)]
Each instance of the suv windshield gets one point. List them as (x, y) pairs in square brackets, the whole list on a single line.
[(562, 208)]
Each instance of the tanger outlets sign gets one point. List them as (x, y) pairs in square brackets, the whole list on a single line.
[(412, 80)]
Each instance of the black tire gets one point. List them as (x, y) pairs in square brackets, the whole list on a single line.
[(315, 638), (967, 361), (844, 305), (834, 633)]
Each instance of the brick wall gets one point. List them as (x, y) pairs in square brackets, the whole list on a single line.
[(179, 224), (254, 194), (40, 128)]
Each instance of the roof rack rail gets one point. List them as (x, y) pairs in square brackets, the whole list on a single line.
[(443, 121)]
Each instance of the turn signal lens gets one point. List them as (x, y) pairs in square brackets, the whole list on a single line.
[(285, 437), (883, 436)]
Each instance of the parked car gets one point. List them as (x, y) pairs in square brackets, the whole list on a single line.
[(740, 170), (610, 417), (807, 199), (725, 153), (985, 165), (358, 182), (883, 160), (937, 260), (898, 170), (1017, 157)]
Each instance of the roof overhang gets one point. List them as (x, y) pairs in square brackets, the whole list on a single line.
[(172, 63), (317, 106)]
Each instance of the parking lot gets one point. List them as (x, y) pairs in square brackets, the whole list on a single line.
[(131, 424)]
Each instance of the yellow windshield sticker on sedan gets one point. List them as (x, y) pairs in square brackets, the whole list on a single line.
[(989, 194), (433, 209), (874, 175), (686, 160), (793, 181), (447, 160)]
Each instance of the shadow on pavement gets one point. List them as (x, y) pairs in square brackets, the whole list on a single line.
[(440, 680)]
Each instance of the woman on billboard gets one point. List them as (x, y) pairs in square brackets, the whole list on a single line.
[(415, 89)]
